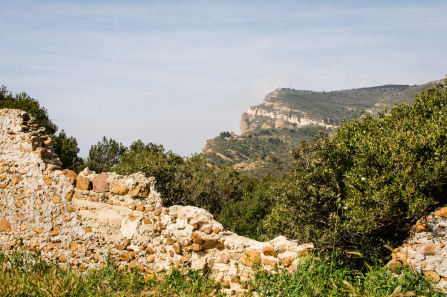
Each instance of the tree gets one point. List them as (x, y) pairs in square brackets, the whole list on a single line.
[(67, 150), (368, 184), (153, 160), (105, 155), (185, 181)]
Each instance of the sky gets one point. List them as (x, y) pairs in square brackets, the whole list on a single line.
[(178, 73)]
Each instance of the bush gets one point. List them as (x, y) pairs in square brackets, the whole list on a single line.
[(245, 215), (368, 184), (185, 181), (330, 277)]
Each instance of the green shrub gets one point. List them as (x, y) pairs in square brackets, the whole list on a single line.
[(244, 216), (67, 149), (369, 183), (185, 181)]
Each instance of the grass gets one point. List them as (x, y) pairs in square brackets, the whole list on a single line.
[(25, 274), (331, 277)]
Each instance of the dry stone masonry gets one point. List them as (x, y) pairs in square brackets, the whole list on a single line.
[(82, 220), (426, 251)]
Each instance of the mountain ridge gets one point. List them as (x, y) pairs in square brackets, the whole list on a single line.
[(270, 130)]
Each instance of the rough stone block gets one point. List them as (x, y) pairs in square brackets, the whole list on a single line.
[(100, 184)]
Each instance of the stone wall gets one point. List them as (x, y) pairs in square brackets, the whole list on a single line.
[(425, 250), (81, 220)]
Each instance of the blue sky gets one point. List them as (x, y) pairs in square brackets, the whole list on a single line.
[(179, 72)]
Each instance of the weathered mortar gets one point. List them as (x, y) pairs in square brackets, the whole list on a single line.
[(78, 220)]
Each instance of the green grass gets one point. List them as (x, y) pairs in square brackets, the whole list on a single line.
[(317, 277), (25, 274)]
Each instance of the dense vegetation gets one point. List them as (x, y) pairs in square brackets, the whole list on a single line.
[(365, 186), (259, 153)]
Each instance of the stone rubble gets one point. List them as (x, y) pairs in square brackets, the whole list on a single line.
[(425, 250), (82, 220)]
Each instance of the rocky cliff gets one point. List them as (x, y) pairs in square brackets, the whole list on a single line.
[(289, 108), (78, 220)]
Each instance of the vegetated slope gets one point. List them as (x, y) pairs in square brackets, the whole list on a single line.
[(261, 152), (273, 128)]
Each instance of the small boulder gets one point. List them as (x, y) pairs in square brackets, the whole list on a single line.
[(100, 184), (83, 183), (429, 250)]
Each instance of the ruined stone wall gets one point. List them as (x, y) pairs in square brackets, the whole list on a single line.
[(426, 249), (80, 220)]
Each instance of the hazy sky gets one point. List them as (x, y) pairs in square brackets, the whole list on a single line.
[(179, 72)]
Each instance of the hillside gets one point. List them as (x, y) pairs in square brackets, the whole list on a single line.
[(270, 130)]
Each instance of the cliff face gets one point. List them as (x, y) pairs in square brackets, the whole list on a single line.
[(259, 118), (77, 220), (270, 130), (289, 108)]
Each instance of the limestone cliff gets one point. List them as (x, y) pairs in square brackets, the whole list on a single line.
[(77, 220), (289, 108)]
